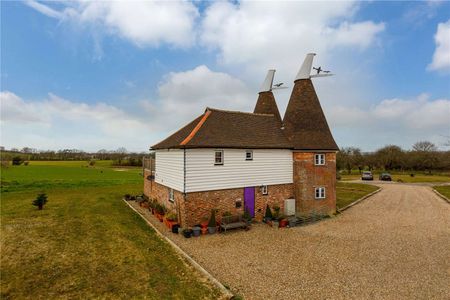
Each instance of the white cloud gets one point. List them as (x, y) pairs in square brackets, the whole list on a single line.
[(441, 56), (64, 123), (44, 9), (144, 23), (259, 35), (392, 121), (57, 123), (184, 95)]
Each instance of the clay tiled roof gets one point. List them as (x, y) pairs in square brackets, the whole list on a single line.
[(305, 124), (229, 129), (266, 104)]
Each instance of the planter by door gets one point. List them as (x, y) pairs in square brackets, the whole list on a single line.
[(249, 200)]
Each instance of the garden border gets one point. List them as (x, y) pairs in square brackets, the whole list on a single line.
[(180, 251), (359, 200), (440, 195)]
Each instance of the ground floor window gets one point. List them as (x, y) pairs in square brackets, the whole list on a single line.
[(320, 192), (171, 198)]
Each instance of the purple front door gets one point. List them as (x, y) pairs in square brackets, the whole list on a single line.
[(249, 200)]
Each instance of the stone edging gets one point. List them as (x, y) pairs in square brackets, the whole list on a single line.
[(359, 200), (440, 195), (180, 251)]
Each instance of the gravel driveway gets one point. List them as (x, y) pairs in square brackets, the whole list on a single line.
[(394, 245)]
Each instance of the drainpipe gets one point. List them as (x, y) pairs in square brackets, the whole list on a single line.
[(184, 186)]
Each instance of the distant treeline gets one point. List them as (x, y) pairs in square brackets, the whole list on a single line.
[(424, 156), (119, 157)]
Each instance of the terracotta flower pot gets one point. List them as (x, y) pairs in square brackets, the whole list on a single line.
[(283, 223)]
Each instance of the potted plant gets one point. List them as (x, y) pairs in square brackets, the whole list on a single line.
[(204, 223), (160, 211), (144, 204), (283, 221), (268, 215), (247, 217), (175, 228), (187, 233), (212, 224), (171, 220), (196, 230), (276, 215), (292, 221)]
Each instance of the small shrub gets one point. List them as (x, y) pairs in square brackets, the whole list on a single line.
[(226, 214), (17, 161), (40, 201), (247, 215), (25, 163), (276, 213), (268, 214), (212, 220), (92, 163), (172, 217)]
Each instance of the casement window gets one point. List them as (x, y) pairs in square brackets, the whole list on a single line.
[(218, 157), (171, 197), (320, 193), (319, 159), (264, 190), (248, 155)]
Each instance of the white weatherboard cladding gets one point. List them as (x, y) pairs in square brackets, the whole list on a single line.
[(268, 167), (169, 168)]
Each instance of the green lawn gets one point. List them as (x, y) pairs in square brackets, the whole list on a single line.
[(347, 192), (403, 177), (444, 190), (86, 243), (67, 174)]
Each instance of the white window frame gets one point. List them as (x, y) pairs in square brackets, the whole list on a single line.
[(221, 156), (319, 159), (319, 192), (248, 152), (264, 190), (171, 195)]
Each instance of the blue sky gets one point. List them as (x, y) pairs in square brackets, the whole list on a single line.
[(95, 75)]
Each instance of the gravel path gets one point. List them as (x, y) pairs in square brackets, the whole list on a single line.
[(394, 245)]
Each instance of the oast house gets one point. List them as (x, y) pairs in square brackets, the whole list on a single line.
[(232, 160)]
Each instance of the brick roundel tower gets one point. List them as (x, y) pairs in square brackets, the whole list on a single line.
[(314, 148)]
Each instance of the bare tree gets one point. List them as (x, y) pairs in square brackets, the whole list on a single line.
[(425, 146), (121, 152)]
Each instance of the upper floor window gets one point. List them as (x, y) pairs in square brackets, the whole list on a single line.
[(319, 159), (320, 193), (218, 157), (248, 155), (171, 196)]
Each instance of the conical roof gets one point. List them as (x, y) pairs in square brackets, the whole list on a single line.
[(266, 104), (304, 122)]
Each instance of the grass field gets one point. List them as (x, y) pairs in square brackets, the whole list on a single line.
[(347, 192), (66, 174), (86, 243), (403, 177), (444, 190)]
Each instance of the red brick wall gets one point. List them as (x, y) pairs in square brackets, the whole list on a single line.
[(200, 204), (160, 193), (194, 207), (308, 176)]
